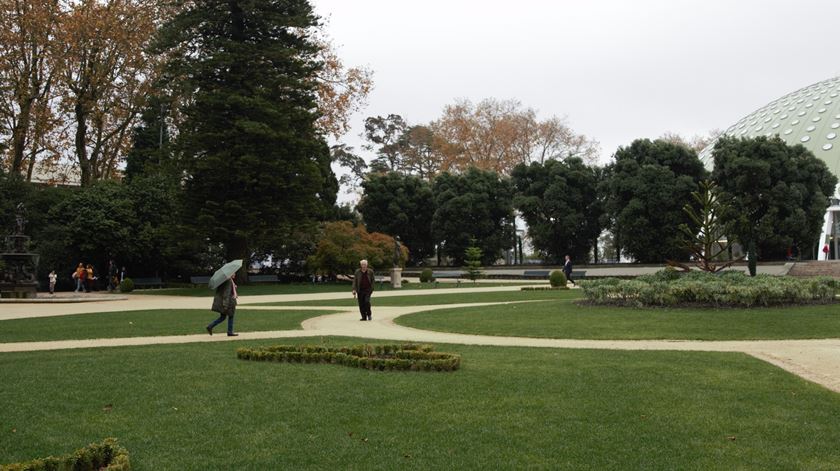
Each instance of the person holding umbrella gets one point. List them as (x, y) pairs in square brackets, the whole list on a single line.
[(225, 300)]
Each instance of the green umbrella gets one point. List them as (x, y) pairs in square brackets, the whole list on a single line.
[(222, 274)]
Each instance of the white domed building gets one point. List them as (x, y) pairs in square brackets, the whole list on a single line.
[(809, 116)]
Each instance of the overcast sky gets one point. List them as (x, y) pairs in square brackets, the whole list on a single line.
[(617, 69)]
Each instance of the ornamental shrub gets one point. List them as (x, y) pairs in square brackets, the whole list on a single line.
[(127, 285), (426, 276), (105, 456), (557, 279), (732, 289)]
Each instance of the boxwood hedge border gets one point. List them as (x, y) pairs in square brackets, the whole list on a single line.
[(406, 357)]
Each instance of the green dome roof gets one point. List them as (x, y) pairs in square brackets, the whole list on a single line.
[(809, 116)]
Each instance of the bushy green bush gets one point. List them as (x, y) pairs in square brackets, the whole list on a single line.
[(408, 357), (557, 279), (727, 289), (127, 285), (426, 276), (107, 456)]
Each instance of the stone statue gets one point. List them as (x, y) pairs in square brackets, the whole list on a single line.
[(397, 252), (20, 219)]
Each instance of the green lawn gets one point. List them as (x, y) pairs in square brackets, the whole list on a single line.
[(145, 323), (565, 319), (452, 298), (306, 288), (197, 407)]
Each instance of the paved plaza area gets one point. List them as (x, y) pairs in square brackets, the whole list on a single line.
[(814, 360)]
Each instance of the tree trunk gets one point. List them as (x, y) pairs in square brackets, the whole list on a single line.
[(81, 148), (752, 257), (19, 135)]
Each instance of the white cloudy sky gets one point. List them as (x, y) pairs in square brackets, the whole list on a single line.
[(617, 69)]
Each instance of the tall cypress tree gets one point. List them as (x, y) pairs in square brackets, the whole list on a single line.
[(255, 167)]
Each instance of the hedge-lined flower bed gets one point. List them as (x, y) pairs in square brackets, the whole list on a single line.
[(407, 357), (106, 456), (729, 289)]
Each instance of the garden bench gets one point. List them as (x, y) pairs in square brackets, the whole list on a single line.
[(147, 282), (447, 274), (263, 279), (536, 273), (578, 274), (199, 280)]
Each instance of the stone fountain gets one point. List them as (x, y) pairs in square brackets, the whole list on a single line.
[(19, 266)]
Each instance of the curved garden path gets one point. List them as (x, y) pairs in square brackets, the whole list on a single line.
[(814, 360)]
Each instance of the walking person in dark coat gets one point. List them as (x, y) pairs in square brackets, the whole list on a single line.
[(225, 304), (363, 281), (567, 269)]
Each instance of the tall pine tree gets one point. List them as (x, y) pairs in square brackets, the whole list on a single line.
[(255, 166)]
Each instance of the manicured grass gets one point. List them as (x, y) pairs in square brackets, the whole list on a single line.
[(197, 407), (452, 298), (146, 323), (306, 288), (565, 319)]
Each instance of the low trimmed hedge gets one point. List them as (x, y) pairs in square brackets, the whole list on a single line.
[(669, 288), (126, 285), (107, 455), (427, 276), (543, 288), (406, 357)]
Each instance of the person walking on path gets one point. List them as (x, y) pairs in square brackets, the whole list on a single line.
[(53, 279), (112, 276), (77, 275), (567, 269), (363, 281), (83, 274), (90, 278), (225, 304)]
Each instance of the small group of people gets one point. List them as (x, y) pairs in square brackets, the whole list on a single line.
[(84, 277)]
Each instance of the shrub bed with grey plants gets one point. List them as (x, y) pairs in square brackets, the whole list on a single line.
[(670, 288), (407, 357)]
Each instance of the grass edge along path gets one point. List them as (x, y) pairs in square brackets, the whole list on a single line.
[(569, 320), (155, 322), (506, 408)]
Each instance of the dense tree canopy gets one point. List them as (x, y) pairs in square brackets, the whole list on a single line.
[(255, 165), (400, 205), (778, 193), (645, 190), (559, 202), (477, 204)]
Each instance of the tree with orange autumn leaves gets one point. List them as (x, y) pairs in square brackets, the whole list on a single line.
[(491, 135), (342, 245), (27, 76)]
